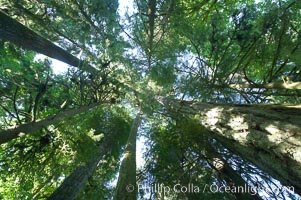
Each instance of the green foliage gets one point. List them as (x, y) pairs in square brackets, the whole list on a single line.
[(32, 167), (184, 49), (23, 82), (177, 155), (234, 42), (163, 74)]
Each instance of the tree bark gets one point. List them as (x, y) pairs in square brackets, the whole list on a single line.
[(289, 86), (229, 175), (126, 186), (17, 33), (73, 184), (151, 16), (23, 129), (268, 135)]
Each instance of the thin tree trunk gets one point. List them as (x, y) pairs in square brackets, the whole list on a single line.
[(271, 132), (280, 85), (274, 94), (151, 16), (23, 129), (126, 185), (17, 33)]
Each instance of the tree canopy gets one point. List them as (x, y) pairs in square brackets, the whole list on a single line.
[(214, 85)]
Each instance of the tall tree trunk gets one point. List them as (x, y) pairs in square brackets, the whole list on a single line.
[(15, 32), (126, 185), (23, 129), (73, 184), (151, 16), (271, 132), (229, 175)]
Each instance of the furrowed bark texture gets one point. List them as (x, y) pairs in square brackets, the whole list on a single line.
[(126, 185), (267, 135)]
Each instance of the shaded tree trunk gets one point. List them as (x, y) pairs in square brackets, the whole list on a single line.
[(275, 94), (268, 135), (73, 184), (17, 33), (23, 129), (277, 168), (126, 185), (151, 10), (230, 175)]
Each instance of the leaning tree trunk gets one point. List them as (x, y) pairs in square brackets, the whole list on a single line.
[(126, 185), (17, 33), (23, 129), (73, 184), (280, 85), (268, 135)]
